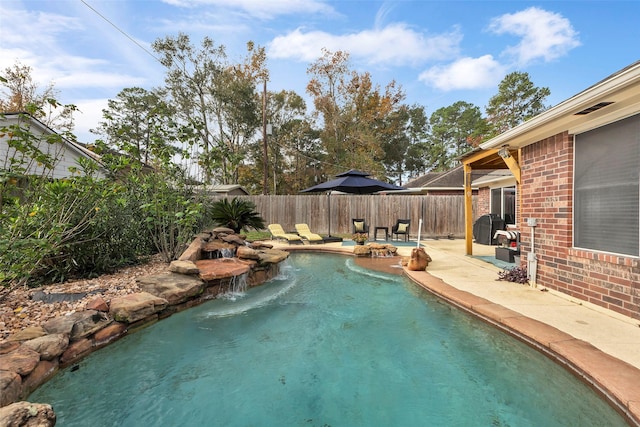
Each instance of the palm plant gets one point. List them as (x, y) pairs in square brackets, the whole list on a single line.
[(237, 214)]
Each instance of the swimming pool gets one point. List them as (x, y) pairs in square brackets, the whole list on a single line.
[(325, 344)]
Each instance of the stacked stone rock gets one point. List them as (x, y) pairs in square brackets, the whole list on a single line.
[(380, 250), (32, 356)]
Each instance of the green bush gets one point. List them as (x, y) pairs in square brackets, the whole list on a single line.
[(54, 230), (171, 216), (83, 227)]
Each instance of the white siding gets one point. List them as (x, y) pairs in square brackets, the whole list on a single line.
[(66, 152)]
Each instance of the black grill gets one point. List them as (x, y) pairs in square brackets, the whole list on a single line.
[(485, 228)]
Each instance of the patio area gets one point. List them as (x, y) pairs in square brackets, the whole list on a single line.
[(601, 346)]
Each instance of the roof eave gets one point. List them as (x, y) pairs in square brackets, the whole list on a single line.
[(562, 117)]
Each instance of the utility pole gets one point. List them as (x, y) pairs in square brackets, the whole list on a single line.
[(265, 171)]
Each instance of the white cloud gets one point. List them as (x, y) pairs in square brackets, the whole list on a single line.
[(32, 47), (203, 23), (48, 25), (395, 44), (260, 8), (545, 35), (47, 52), (465, 73), (87, 118), (93, 79)]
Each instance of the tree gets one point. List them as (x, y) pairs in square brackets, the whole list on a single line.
[(286, 113), (352, 110), (517, 101), (140, 123), (418, 131), (403, 139), (452, 128), (237, 110), (215, 98), (292, 147), (21, 94)]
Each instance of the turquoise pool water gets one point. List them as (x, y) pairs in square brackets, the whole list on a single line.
[(326, 344)]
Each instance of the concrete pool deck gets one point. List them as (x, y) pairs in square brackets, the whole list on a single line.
[(600, 346)]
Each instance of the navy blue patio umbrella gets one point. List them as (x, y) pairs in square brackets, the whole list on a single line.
[(353, 182)]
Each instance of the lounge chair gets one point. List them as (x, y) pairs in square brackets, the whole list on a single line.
[(360, 226), (401, 228), (304, 232), (277, 232)]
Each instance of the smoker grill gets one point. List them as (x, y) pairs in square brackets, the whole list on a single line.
[(485, 229)]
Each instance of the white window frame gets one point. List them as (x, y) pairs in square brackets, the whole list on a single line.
[(502, 201)]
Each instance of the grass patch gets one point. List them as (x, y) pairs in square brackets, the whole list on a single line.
[(254, 235)]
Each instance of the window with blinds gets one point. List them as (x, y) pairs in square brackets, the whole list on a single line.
[(607, 188)]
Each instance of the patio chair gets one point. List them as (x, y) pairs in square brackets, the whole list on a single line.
[(277, 232), (401, 228), (360, 226), (304, 232)]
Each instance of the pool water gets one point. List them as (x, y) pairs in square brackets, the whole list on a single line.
[(325, 344)]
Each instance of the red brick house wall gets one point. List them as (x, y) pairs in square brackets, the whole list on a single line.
[(610, 281), (484, 201)]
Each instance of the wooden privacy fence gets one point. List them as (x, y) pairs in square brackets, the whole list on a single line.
[(442, 215)]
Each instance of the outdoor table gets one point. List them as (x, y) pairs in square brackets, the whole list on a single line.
[(386, 233)]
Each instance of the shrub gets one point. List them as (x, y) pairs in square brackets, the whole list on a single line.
[(237, 214), (81, 227), (171, 215), (515, 274)]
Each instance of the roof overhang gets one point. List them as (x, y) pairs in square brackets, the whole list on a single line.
[(499, 178), (612, 99), (74, 146), (427, 190)]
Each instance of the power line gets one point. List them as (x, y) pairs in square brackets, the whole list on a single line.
[(154, 57), (120, 30)]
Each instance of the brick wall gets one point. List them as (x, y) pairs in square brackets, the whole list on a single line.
[(484, 201), (603, 279)]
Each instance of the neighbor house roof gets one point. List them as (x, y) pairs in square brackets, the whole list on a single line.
[(233, 189), (450, 180)]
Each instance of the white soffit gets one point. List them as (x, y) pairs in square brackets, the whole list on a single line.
[(622, 90)]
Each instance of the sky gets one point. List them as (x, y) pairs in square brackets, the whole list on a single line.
[(439, 52)]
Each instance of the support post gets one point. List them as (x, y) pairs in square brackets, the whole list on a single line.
[(468, 210)]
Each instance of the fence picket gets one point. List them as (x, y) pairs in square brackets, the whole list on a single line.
[(442, 215)]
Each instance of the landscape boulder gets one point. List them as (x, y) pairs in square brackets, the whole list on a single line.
[(246, 252), (22, 360), (98, 303), (77, 325), (10, 388), (49, 346), (419, 260), (183, 267), (272, 256), (362, 250), (133, 307), (221, 268), (173, 287), (28, 415), (27, 334)]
